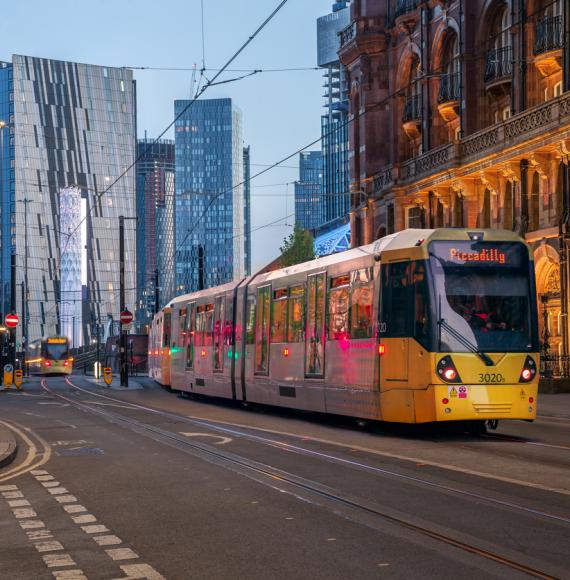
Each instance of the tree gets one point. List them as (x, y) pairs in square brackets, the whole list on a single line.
[(297, 248)]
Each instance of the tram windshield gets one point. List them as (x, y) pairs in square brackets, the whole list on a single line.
[(55, 348), (483, 296)]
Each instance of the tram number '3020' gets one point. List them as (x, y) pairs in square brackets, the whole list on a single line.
[(491, 378)]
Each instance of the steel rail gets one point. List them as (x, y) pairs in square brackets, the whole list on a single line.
[(303, 484), (326, 456)]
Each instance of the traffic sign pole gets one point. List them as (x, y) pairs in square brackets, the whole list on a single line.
[(123, 333)]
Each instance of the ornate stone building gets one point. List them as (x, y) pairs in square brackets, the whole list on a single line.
[(460, 117)]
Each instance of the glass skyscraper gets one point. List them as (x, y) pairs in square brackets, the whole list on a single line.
[(210, 213), (247, 207), (70, 133), (334, 123), (308, 190), (155, 228)]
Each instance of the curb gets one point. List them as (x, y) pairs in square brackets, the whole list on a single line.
[(10, 455)]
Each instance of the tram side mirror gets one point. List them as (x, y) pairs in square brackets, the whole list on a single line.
[(377, 257)]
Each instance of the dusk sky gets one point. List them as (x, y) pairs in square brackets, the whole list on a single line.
[(281, 109)]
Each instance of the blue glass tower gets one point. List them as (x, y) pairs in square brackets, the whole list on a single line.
[(210, 241), (247, 206), (334, 123), (308, 190), (155, 226)]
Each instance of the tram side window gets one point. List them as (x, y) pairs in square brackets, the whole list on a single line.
[(279, 316), (396, 299), (209, 325), (296, 326), (228, 324), (182, 326), (421, 320), (166, 330), (339, 298), (250, 320), (361, 303), (190, 333)]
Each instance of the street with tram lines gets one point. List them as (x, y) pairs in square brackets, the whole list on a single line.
[(142, 483)]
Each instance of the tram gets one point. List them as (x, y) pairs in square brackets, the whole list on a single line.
[(420, 326), (50, 356)]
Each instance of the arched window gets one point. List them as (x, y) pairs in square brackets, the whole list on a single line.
[(486, 210), (450, 69), (535, 203), (412, 105), (508, 207)]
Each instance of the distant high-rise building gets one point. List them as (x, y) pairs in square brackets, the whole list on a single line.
[(210, 244), (247, 207), (308, 190), (155, 231), (69, 135), (334, 123)]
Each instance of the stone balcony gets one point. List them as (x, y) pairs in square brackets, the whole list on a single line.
[(498, 140), (361, 36)]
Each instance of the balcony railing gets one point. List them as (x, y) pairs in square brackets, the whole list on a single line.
[(348, 34), (412, 109), (549, 34), (405, 6), (499, 64), (449, 88)]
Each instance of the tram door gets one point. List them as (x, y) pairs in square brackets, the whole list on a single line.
[(219, 334), (262, 325), (315, 335)]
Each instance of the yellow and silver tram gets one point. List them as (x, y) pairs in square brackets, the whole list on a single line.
[(50, 356), (421, 326)]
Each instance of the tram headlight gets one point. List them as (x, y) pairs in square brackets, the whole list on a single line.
[(446, 371), (529, 370)]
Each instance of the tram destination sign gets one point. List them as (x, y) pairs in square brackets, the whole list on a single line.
[(500, 254)]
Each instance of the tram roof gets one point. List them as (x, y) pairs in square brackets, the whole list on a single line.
[(404, 240)]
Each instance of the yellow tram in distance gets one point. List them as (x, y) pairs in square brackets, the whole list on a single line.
[(420, 326), (50, 356)]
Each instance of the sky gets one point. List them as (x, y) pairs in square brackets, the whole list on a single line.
[(281, 110)]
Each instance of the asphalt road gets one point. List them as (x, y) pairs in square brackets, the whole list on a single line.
[(145, 484)]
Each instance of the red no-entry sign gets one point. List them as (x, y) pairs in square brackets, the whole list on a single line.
[(126, 317), (11, 320)]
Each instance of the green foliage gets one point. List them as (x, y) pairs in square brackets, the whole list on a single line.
[(297, 248)]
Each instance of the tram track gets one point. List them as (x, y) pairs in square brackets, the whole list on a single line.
[(272, 475), (232, 430)]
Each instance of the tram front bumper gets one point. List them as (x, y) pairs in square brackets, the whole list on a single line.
[(481, 402)]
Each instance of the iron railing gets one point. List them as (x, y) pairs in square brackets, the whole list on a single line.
[(348, 34), (549, 34), (449, 88), (554, 366), (499, 63), (412, 109), (405, 6)]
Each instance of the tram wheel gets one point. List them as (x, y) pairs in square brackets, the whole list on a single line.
[(493, 424)]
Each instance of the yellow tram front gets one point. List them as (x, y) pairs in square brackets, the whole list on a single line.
[(459, 313), (52, 357)]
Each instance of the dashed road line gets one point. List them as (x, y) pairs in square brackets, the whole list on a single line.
[(88, 523)]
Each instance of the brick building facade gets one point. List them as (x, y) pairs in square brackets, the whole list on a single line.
[(460, 117)]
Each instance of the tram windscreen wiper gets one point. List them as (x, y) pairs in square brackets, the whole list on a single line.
[(465, 342)]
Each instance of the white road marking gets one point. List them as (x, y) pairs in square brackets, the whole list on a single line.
[(53, 546), (8, 487), (39, 535), (69, 574), (32, 524), (49, 484), (84, 519), (58, 560), (223, 440), (122, 554), (142, 572), (108, 540), (98, 529), (45, 477), (12, 494), (23, 513), (57, 490), (19, 503), (39, 472), (66, 498), (74, 509)]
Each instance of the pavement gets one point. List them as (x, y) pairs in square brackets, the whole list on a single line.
[(8, 446), (115, 385)]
